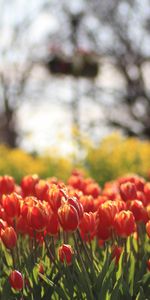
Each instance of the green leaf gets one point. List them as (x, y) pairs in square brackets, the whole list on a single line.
[(125, 291), (141, 295), (58, 289), (139, 274), (83, 280), (48, 281), (134, 245), (146, 279), (102, 274), (8, 257), (106, 284), (120, 267), (116, 290), (6, 292), (68, 270), (131, 273), (35, 274)]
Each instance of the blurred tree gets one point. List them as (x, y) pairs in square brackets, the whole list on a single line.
[(117, 31), (17, 59), (129, 52)]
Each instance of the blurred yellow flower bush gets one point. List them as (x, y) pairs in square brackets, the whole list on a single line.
[(112, 157), (18, 163), (115, 156)]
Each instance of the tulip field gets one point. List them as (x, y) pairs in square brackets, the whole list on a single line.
[(74, 240)]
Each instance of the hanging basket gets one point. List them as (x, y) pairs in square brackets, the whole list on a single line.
[(77, 66)]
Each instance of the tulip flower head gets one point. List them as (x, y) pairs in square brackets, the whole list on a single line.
[(65, 253), (16, 280)]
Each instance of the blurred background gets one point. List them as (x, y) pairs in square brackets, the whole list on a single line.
[(72, 73)]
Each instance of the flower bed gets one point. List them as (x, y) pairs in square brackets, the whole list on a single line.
[(74, 240)]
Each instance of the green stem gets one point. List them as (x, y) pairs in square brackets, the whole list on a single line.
[(13, 258), (89, 294), (84, 246), (52, 259)]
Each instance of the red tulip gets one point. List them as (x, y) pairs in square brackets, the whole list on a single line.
[(68, 217), (22, 225), (41, 189), (9, 237), (37, 217), (124, 223), (41, 268), (116, 253), (137, 180), (128, 191), (148, 264), (92, 189), (77, 205), (87, 226), (88, 203), (55, 195), (16, 280), (138, 210), (53, 223), (28, 184), (147, 192), (11, 204), (7, 184), (76, 181), (65, 253), (105, 219)]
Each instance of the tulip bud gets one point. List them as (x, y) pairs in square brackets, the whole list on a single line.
[(137, 180), (124, 223), (92, 189), (77, 205), (37, 217), (68, 217), (116, 253), (41, 268), (41, 189), (88, 203), (9, 237), (138, 210), (141, 197), (55, 195), (22, 225), (76, 181), (7, 184), (147, 192), (65, 253), (148, 264), (11, 204), (28, 184), (105, 219), (128, 191), (53, 223), (16, 280), (87, 226)]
